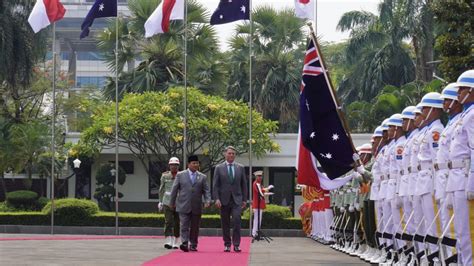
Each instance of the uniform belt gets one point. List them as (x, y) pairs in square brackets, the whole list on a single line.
[(326, 195), (457, 164), (440, 166), (425, 166)]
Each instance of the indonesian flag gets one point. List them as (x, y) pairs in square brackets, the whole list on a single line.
[(305, 8), (44, 13), (159, 21)]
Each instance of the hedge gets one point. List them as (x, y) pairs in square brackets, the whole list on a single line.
[(103, 219), (22, 199)]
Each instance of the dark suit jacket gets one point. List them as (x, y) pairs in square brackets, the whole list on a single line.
[(223, 188), (188, 197)]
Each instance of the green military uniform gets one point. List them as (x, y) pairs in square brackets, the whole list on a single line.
[(171, 216)]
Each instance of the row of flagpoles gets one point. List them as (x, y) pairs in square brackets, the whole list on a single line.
[(46, 12)]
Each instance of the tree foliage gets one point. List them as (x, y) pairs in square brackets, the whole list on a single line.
[(455, 43), (151, 126), (105, 186)]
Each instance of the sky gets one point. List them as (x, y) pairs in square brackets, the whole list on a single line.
[(328, 14)]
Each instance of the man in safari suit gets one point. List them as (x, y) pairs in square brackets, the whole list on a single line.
[(189, 188), (230, 193)]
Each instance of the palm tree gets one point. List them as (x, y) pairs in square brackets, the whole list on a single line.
[(20, 51), (277, 46), (377, 49), (162, 56)]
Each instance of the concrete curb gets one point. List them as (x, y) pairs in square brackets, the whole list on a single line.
[(88, 230)]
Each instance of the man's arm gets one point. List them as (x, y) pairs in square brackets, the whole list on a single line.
[(216, 184), (174, 191), (161, 190), (206, 191)]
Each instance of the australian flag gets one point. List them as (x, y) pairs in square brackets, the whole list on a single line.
[(100, 9), (230, 10), (322, 134)]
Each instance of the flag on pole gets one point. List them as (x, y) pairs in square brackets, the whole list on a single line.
[(322, 133), (159, 21), (230, 11), (305, 9), (44, 13), (100, 9)]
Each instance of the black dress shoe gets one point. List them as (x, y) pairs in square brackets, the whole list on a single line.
[(227, 249), (193, 248), (184, 247), (237, 249)]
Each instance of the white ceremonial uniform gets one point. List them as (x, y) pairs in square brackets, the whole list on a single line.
[(406, 181), (418, 218), (395, 167), (442, 171), (461, 179), (385, 191), (375, 188), (425, 184)]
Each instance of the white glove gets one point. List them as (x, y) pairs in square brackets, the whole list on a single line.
[(270, 186), (342, 209), (449, 201), (160, 206), (357, 206), (398, 202), (360, 169), (470, 195), (355, 157), (351, 208)]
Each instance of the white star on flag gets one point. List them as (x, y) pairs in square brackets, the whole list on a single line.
[(312, 135), (328, 155), (307, 104), (101, 7), (335, 137), (221, 16), (242, 8)]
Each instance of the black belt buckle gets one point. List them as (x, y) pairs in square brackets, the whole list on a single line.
[(450, 165), (436, 167)]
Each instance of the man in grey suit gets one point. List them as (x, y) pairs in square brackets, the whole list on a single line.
[(230, 193), (189, 188)]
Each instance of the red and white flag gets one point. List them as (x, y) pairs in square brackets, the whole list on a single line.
[(305, 8), (159, 21), (44, 13)]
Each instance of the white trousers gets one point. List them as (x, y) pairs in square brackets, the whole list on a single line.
[(462, 227), (444, 219), (387, 220), (424, 206), (328, 217), (379, 213), (407, 210), (396, 226), (257, 213)]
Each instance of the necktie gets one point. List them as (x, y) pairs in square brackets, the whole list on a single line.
[(231, 173), (193, 178)]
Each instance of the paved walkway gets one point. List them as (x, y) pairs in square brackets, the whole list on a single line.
[(90, 250)]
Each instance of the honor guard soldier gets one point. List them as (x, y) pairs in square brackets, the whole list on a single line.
[(461, 167), (432, 107), (406, 180), (453, 108)]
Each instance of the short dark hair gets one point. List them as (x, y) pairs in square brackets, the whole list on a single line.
[(193, 158)]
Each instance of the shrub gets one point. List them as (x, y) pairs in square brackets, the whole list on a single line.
[(273, 212), (41, 203), (22, 199), (72, 211)]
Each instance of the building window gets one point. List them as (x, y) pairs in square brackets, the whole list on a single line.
[(154, 178), (127, 166), (98, 82)]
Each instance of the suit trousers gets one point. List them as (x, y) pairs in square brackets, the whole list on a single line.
[(190, 223), (171, 222), (227, 211)]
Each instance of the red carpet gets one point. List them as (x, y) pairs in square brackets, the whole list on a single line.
[(210, 252), (77, 238)]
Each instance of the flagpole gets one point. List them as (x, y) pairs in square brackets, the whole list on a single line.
[(250, 115), (116, 122), (53, 128), (315, 17), (185, 129), (340, 114)]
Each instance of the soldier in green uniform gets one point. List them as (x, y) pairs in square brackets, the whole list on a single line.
[(171, 216)]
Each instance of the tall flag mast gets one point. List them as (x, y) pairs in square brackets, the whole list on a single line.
[(43, 14)]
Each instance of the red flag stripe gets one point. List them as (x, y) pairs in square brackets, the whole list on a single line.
[(54, 9), (167, 8)]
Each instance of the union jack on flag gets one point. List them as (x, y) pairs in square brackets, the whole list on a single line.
[(322, 137)]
